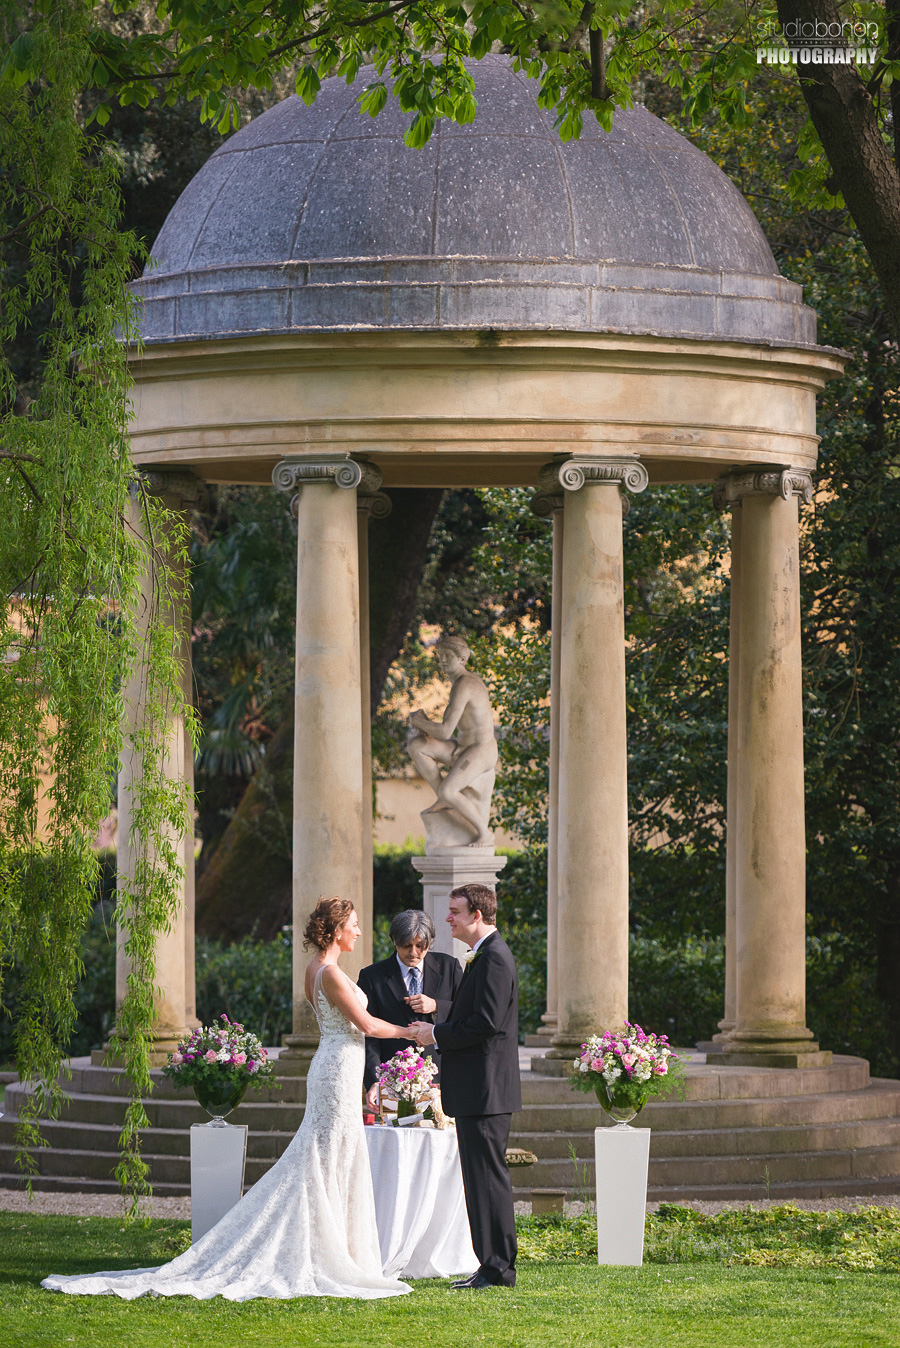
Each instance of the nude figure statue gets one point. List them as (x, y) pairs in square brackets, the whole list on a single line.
[(463, 742)]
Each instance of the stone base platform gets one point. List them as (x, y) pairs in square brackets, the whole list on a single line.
[(740, 1134)]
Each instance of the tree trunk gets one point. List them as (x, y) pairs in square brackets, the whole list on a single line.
[(398, 547), (843, 113), (246, 886)]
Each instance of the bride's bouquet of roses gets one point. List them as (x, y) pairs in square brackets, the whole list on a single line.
[(220, 1053), (627, 1066), (408, 1078)]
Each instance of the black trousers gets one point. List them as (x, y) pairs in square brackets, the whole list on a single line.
[(483, 1140)]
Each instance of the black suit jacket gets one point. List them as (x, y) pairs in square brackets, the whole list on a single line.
[(384, 986), (479, 1041)]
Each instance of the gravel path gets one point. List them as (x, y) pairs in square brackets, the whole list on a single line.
[(110, 1205)]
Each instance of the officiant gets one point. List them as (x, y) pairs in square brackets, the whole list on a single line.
[(415, 983)]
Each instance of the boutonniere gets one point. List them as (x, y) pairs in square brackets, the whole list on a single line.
[(472, 956)]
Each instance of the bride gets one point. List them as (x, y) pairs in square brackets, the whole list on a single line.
[(307, 1228)]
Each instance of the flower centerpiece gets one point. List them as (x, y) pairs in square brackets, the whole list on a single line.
[(408, 1078), (220, 1061), (624, 1068)]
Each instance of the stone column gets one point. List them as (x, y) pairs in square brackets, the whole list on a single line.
[(727, 1023), (768, 810), (370, 504), (328, 767), (544, 506), (175, 995), (593, 806)]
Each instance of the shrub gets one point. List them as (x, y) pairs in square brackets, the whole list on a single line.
[(250, 981)]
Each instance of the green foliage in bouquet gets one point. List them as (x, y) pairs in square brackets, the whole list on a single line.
[(624, 1067)]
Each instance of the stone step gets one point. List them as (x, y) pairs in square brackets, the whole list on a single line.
[(107, 1081), (168, 1173), (746, 1193), (714, 1082), (728, 1142), (82, 1184), (879, 1100), (729, 1193), (722, 1138), (876, 1101), (65, 1135), (842, 1135), (179, 1113), (754, 1172)]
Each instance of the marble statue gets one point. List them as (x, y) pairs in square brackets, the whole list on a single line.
[(457, 756)]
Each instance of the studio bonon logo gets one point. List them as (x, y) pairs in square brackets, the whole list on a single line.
[(816, 42)]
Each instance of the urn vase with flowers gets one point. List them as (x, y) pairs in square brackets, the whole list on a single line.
[(624, 1068), (220, 1062)]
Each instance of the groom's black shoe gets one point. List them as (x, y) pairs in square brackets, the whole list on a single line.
[(476, 1283)]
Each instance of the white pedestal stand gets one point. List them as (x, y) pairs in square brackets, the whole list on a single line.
[(218, 1157), (622, 1157), (443, 871)]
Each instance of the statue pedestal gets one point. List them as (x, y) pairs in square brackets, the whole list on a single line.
[(444, 871)]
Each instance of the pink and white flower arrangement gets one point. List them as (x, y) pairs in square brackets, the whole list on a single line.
[(408, 1078), (627, 1065), (408, 1075), (223, 1051)]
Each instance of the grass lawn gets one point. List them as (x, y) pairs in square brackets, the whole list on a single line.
[(561, 1298)]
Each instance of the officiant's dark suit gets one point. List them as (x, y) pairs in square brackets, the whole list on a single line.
[(480, 1088), (384, 986)]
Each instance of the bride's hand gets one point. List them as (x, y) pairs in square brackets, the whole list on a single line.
[(423, 1032)]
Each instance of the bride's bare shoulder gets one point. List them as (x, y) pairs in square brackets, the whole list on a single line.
[(312, 970)]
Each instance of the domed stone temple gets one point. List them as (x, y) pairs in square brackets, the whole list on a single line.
[(332, 312)]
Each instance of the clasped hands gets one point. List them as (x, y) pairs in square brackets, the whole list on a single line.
[(421, 1032)]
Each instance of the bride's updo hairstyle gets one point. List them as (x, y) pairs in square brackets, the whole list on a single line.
[(324, 921)]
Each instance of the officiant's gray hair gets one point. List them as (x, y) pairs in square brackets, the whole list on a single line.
[(412, 925)]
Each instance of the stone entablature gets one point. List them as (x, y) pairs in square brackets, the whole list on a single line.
[(454, 409)]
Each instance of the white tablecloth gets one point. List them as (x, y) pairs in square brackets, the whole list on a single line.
[(420, 1208)]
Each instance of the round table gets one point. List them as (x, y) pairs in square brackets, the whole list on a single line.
[(423, 1229)]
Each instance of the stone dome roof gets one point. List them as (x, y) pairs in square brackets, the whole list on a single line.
[(316, 219)]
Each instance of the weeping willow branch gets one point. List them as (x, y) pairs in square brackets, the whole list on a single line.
[(70, 644)]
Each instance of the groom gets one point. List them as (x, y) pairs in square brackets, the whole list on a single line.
[(480, 1088)]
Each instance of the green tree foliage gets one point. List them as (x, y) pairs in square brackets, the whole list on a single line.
[(73, 619), (590, 57)]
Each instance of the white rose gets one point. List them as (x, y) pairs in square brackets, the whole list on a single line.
[(584, 1067)]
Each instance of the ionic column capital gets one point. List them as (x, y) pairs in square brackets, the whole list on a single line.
[(291, 474), (185, 486), (731, 488), (580, 470), (545, 504), (377, 506), (577, 471), (369, 500)]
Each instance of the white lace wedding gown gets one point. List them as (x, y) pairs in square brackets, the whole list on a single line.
[(307, 1228)]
